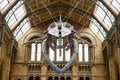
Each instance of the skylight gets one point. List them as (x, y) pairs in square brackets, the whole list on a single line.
[(22, 28), (115, 3), (3, 3), (98, 30), (104, 14), (15, 13)]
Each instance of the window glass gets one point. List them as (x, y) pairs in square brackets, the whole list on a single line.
[(38, 52), (22, 28), (51, 54), (67, 55), (59, 51), (59, 54), (33, 51), (100, 13), (13, 15), (3, 3), (12, 20), (19, 11), (80, 52), (115, 3), (104, 14), (86, 52), (98, 30)]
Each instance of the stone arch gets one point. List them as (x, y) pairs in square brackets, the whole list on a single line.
[(62, 78), (56, 78), (81, 78), (68, 78), (31, 78), (37, 78), (89, 36), (50, 78), (27, 38), (93, 43), (87, 78)]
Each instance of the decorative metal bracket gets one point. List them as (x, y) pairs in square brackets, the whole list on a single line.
[(115, 26), (4, 25), (11, 44), (108, 49)]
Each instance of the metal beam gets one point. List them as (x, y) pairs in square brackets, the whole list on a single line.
[(36, 10), (107, 45), (19, 23), (108, 7), (68, 6), (4, 25), (101, 23), (77, 8), (115, 26)]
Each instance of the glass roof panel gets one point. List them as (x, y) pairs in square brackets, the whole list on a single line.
[(12, 20), (100, 13), (17, 11), (22, 28), (115, 3), (98, 30), (3, 3), (104, 14)]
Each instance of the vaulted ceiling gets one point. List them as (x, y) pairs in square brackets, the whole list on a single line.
[(21, 15), (76, 12)]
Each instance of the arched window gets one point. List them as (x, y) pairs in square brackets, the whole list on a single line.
[(83, 55), (62, 78), (56, 78), (59, 54), (36, 52), (50, 78), (68, 78), (37, 78), (31, 78), (87, 78), (19, 79), (81, 78)]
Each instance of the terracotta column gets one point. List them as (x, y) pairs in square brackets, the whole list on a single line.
[(43, 71), (75, 71)]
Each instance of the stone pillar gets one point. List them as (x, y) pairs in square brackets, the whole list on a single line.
[(92, 54), (74, 78), (0, 53), (0, 60), (118, 58), (29, 53), (0, 24), (25, 53), (75, 71), (43, 77), (43, 71)]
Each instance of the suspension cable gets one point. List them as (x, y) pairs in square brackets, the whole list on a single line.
[(67, 16), (50, 13)]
